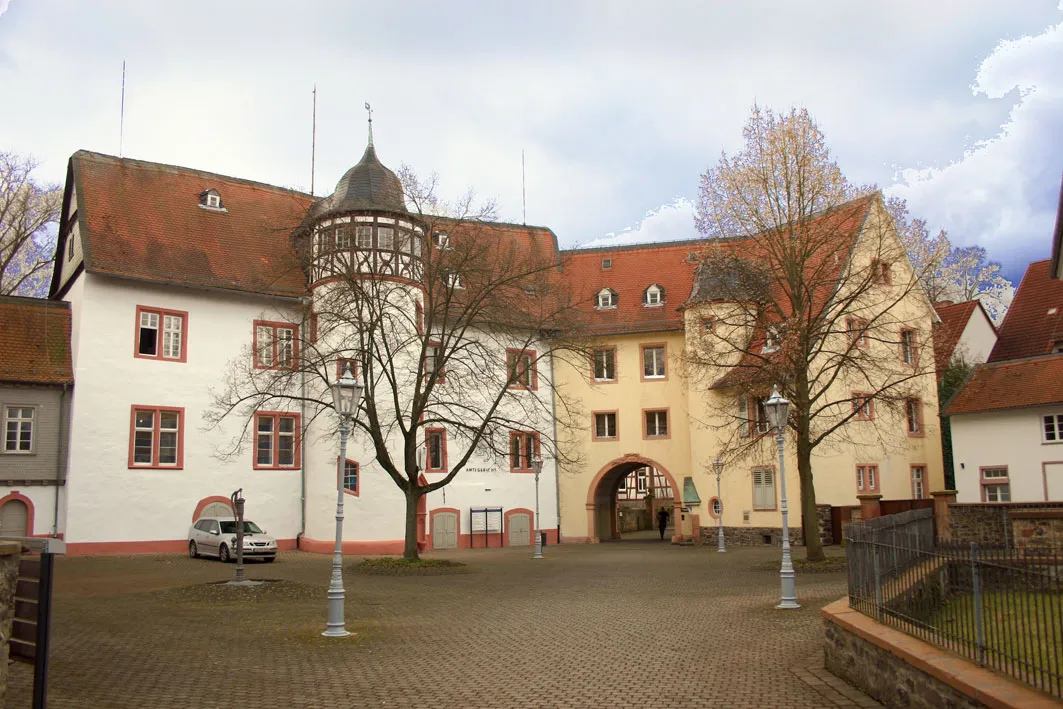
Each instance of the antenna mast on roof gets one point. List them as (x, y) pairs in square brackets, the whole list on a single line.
[(313, 143), (523, 190), (121, 114), (369, 109)]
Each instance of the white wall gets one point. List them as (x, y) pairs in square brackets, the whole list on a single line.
[(1012, 438), (978, 338), (108, 501)]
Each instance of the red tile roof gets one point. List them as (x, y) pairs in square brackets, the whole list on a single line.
[(633, 270), (1008, 385), (144, 220), (35, 344), (947, 333), (1035, 319)]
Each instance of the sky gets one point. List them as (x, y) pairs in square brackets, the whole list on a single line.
[(617, 107)]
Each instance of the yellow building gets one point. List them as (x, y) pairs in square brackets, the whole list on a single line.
[(677, 376)]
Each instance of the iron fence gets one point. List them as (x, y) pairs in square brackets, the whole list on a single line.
[(999, 606)]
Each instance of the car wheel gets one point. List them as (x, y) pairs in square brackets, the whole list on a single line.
[(223, 554), (269, 559), (192, 550)]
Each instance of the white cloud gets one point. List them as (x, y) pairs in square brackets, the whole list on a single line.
[(1002, 192), (669, 222)]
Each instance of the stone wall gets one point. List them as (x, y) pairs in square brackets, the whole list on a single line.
[(10, 553), (752, 536), (886, 677), (826, 536), (1011, 524)]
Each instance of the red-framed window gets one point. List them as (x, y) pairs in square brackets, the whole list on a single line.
[(435, 440), (857, 332), (913, 414), (867, 480), (349, 477), (604, 426), (161, 334), (863, 407), (313, 326), (342, 363), (156, 437), (523, 447), (276, 440), (909, 347), (918, 482), (655, 423), (276, 345), (521, 370), (433, 362), (418, 314), (603, 365), (882, 272), (996, 485)]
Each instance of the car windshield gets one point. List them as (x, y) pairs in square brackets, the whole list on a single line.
[(249, 527)]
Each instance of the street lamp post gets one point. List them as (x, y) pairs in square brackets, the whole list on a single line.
[(717, 467), (537, 465), (346, 393), (777, 409)]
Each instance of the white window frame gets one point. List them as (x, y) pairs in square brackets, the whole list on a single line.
[(363, 236), (659, 418), (604, 417), (385, 234), (213, 201), (606, 299), (654, 296), (1055, 422), (607, 263), (994, 487), (606, 357), (342, 237), (658, 368), (918, 481), (21, 423), (441, 240), (763, 485), (908, 346), (454, 281)]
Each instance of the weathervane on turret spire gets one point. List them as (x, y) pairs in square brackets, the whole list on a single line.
[(369, 109)]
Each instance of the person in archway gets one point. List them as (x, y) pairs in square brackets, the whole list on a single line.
[(662, 521)]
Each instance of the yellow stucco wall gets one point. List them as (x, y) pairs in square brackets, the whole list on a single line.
[(700, 426)]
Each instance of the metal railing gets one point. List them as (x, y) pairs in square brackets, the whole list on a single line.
[(999, 606)]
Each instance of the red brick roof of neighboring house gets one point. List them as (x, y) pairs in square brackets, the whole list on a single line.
[(1057, 239), (1034, 323), (144, 220), (1007, 385), (947, 332), (35, 341)]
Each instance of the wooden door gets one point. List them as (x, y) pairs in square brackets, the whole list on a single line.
[(14, 518), (445, 530), (520, 530)]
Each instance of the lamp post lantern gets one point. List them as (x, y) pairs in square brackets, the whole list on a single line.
[(346, 393), (537, 465), (717, 467), (778, 409)]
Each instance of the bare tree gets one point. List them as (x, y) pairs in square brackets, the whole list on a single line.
[(807, 286), (27, 209), (464, 345), (951, 272)]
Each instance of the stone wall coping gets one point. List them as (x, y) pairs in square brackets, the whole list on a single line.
[(10, 548), (993, 690), (869, 496), (1036, 514), (944, 492)]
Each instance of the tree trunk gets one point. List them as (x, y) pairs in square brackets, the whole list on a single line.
[(413, 496), (809, 518)]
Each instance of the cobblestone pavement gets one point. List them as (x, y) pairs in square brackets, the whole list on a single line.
[(639, 624)]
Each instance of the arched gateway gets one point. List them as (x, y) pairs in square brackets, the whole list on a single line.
[(602, 520)]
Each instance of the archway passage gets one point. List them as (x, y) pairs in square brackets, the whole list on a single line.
[(612, 487)]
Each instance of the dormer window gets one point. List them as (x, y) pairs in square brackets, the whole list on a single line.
[(454, 281), (211, 199), (441, 239), (607, 263), (771, 339), (653, 296), (607, 298)]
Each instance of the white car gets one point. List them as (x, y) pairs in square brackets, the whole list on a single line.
[(216, 536)]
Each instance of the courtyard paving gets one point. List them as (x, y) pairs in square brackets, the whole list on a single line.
[(640, 624)]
